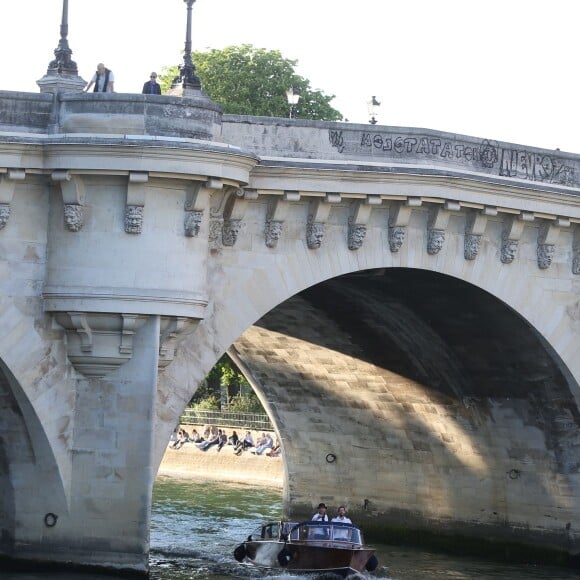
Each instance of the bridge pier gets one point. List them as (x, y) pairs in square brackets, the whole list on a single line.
[(105, 520)]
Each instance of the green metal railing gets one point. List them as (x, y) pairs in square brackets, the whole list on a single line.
[(251, 421)]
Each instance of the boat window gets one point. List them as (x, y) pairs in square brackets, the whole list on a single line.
[(343, 534), (320, 533), (271, 531), (297, 533), (356, 537)]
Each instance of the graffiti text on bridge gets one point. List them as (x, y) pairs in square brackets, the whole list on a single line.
[(488, 155)]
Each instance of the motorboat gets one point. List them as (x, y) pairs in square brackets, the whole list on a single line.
[(312, 547)]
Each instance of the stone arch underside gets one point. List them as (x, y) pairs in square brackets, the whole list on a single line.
[(26, 463), (445, 410)]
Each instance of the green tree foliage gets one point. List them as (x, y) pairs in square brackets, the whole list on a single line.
[(253, 81), (226, 375), (210, 403), (246, 403)]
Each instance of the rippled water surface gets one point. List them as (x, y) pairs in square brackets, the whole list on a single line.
[(195, 527)]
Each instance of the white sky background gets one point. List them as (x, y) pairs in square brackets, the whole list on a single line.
[(497, 69)]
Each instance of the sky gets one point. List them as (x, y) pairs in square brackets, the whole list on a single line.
[(505, 70)]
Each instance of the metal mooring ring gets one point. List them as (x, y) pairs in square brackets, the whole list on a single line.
[(50, 520), (330, 458)]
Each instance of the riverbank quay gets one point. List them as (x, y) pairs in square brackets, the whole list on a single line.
[(189, 462)]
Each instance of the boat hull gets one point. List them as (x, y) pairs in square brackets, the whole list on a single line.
[(317, 558)]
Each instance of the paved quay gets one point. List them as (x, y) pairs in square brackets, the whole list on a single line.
[(189, 462)]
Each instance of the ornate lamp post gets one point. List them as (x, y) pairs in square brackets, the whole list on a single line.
[(62, 73), (187, 78), (293, 96), (373, 106), (63, 64)]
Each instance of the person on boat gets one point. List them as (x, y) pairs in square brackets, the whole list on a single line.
[(321, 515), (341, 517)]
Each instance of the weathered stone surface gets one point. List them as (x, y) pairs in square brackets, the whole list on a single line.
[(475, 392)]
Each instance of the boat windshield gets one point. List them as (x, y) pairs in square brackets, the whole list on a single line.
[(326, 531)]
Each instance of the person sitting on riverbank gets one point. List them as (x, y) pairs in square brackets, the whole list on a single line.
[(233, 439), (266, 444), (222, 440), (182, 437), (276, 451), (213, 440), (209, 431), (244, 444), (195, 437)]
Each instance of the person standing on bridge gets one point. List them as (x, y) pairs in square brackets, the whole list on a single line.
[(103, 80), (152, 87)]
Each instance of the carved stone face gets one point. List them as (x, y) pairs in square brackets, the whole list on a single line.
[(509, 249), (576, 262), (4, 215), (133, 219), (356, 236), (471, 248), (545, 255), (314, 235), (192, 223), (73, 217), (435, 242), (273, 233), (396, 238)]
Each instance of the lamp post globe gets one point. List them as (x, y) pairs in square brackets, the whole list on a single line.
[(293, 96), (373, 107)]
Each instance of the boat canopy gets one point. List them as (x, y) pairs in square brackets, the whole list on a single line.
[(329, 531)]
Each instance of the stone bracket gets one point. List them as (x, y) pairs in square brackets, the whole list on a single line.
[(548, 235), (511, 234), (318, 213), (360, 214), (475, 224), (135, 202), (275, 217), (99, 343), (172, 328), (576, 251), (197, 198), (7, 187), (437, 224), (399, 216), (234, 212), (72, 188)]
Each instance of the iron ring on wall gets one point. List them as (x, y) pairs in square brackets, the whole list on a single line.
[(50, 520), (330, 458)]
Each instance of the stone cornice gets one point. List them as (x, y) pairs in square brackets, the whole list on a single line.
[(467, 189), (108, 154)]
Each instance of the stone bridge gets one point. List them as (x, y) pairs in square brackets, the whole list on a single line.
[(405, 302)]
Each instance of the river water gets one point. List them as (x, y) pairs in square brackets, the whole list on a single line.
[(195, 527)]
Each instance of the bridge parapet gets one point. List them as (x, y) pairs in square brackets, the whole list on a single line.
[(404, 150), (193, 117)]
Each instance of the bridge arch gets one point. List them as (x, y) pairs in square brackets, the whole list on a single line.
[(438, 419)]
